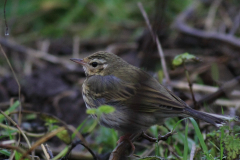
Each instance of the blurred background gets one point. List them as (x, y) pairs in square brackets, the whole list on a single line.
[(43, 35)]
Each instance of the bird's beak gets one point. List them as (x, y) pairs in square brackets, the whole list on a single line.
[(79, 61)]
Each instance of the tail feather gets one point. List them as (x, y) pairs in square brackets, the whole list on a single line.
[(214, 119)]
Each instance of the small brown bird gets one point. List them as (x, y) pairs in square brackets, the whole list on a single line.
[(140, 101)]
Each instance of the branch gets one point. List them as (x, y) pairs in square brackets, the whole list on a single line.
[(155, 39), (35, 53), (181, 25), (160, 137), (226, 88), (74, 145)]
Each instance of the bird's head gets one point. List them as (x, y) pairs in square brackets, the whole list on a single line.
[(100, 63)]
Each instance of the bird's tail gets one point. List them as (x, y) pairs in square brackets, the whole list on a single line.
[(214, 119)]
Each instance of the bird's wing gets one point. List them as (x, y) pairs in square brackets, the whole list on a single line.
[(143, 94)]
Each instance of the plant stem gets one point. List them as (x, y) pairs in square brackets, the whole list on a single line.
[(190, 86)]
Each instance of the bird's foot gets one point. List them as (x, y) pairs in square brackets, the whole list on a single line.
[(126, 137)]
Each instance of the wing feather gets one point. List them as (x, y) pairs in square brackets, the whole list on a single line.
[(145, 95)]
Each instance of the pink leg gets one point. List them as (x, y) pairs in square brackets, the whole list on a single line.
[(127, 138)]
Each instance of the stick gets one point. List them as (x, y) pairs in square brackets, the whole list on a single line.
[(155, 39), (181, 25)]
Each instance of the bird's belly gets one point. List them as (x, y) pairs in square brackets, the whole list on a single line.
[(127, 122)]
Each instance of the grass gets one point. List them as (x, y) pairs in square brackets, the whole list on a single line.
[(185, 152), (106, 139)]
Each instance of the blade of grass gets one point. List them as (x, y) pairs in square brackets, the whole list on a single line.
[(185, 153), (154, 130), (12, 108), (214, 145), (42, 140), (221, 138), (179, 152), (221, 143), (174, 127), (78, 128), (114, 138), (62, 153), (200, 136), (5, 152)]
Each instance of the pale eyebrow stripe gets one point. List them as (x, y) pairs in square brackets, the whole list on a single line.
[(98, 60)]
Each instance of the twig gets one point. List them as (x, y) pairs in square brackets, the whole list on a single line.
[(49, 151), (42, 115), (192, 151), (14, 148), (75, 155), (20, 130), (74, 145), (235, 24), (149, 151), (155, 39), (212, 13), (42, 140), (45, 152), (184, 28), (16, 79), (5, 19), (35, 53), (140, 6), (171, 149), (227, 103), (201, 88), (160, 137), (227, 87), (19, 96), (190, 86), (26, 133), (163, 61)]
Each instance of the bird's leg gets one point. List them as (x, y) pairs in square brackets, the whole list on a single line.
[(127, 138), (160, 137)]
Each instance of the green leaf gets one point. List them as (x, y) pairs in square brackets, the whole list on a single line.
[(187, 56), (5, 152), (49, 118), (91, 111), (12, 108), (30, 116), (179, 59), (63, 135), (106, 109)]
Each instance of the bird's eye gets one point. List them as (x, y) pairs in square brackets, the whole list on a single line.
[(94, 64)]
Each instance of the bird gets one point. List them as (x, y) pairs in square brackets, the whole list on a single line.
[(140, 101)]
